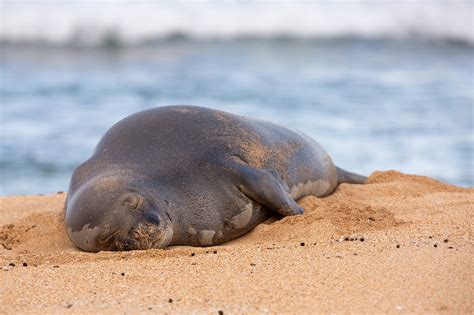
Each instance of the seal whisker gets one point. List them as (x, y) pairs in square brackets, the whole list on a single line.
[(107, 237)]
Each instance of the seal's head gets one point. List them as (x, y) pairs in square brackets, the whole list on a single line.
[(107, 214)]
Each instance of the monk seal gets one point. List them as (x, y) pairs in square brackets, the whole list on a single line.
[(187, 175)]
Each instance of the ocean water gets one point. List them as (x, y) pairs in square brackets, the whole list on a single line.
[(377, 97)]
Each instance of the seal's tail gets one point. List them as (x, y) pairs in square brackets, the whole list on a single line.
[(344, 176)]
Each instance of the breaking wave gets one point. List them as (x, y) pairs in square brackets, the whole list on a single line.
[(122, 24)]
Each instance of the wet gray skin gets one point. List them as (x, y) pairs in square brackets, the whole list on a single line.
[(187, 175)]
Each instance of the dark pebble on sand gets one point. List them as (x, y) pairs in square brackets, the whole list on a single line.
[(302, 244), (346, 238), (398, 246), (362, 239), (25, 264), (435, 245), (122, 274), (446, 240), (170, 300), (430, 236), (11, 264), (220, 312), (450, 247), (215, 252), (55, 266), (252, 264), (192, 254), (68, 305)]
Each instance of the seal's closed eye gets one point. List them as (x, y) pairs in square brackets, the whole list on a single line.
[(133, 201)]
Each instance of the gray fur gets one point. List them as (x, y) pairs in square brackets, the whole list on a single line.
[(186, 175)]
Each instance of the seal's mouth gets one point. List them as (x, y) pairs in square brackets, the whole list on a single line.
[(148, 235)]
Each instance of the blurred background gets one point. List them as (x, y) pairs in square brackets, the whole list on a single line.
[(380, 84)]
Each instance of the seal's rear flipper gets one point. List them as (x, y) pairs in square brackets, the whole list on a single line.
[(265, 187), (344, 176)]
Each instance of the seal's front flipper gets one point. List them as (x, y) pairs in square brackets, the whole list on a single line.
[(265, 187)]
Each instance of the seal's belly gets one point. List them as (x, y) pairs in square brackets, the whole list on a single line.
[(231, 225)]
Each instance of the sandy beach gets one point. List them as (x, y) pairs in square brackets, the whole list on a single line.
[(399, 244)]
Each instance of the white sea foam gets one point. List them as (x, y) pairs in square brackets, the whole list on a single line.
[(128, 23)]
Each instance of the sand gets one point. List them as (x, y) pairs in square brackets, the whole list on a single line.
[(399, 244)]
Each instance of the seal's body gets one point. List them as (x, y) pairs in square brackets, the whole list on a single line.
[(186, 175)]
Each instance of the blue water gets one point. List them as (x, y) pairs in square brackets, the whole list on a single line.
[(373, 104)]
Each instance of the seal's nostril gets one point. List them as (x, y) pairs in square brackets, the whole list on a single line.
[(152, 218)]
